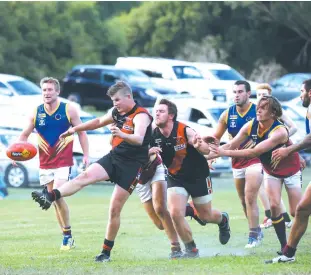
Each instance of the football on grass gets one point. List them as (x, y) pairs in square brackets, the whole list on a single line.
[(21, 151)]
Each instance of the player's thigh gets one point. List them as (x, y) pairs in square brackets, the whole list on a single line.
[(177, 198), (148, 206), (118, 199), (46, 178), (273, 187), (253, 179), (240, 187), (94, 173), (293, 186), (159, 193)]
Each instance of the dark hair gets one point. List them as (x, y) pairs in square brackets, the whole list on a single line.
[(307, 84), (172, 109), (119, 86), (245, 83), (274, 105)]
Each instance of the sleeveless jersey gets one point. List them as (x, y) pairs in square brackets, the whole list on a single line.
[(287, 166), (182, 160), (308, 116), (125, 123), (235, 121), (53, 153)]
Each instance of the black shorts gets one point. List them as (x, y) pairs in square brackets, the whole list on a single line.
[(125, 173), (198, 187)]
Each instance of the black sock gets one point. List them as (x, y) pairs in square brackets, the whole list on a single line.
[(189, 211), (289, 251), (279, 227), (268, 213), (175, 246), (107, 246), (286, 217), (190, 245), (54, 195)]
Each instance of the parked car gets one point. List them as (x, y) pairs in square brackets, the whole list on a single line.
[(181, 76), (225, 76), (27, 173), (296, 104), (18, 93), (88, 85), (288, 86)]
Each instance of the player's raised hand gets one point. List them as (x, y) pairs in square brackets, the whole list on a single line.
[(197, 141), (68, 133), (211, 140), (279, 154)]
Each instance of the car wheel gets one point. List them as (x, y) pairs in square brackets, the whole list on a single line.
[(16, 176), (75, 98)]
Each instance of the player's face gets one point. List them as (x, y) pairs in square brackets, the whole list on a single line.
[(161, 115), (240, 95), (262, 112), (121, 102), (304, 95), (49, 93), (261, 92)]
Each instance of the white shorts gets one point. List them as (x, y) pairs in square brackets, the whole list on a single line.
[(144, 191), (294, 181), (48, 175), (240, 173)]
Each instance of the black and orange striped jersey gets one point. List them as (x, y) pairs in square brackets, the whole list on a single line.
[(182, 160), (288, 166), (125, 123)]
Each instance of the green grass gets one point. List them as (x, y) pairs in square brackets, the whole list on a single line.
[(30, 239)]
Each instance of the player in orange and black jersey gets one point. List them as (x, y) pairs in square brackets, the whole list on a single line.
[(267, 135), (188, 175), (131, 132)]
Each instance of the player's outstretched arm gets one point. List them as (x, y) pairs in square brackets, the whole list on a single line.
[(279, 136), (90, 125), (75, 121)]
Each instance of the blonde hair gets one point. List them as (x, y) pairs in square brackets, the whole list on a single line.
[(50, 80), (264, 86)]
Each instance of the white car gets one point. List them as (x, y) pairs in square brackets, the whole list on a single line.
[(225, 75), (19, 94), (180, 76)]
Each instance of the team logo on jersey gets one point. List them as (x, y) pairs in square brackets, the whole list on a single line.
[(233, 117), (254, 137), (180, 144), (233, 124), (128, 127), (41, 122), (58, 116), (41, 115)]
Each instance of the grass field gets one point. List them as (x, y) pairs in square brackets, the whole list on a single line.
[(30, 239)]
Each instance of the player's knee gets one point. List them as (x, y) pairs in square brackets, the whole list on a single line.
[(160, 210), (158, 224), (250, 199), (176, 215), (114, 212), (302, 211)]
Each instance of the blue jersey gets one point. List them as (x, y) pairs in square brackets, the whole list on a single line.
[(53, 152), (308, 116), (235, 121), (288, 166)]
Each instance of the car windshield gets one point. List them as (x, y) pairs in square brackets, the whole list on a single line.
[(25, 87), (133, 75), (99, 131), (187, 72), (230, 74), (216, 112)]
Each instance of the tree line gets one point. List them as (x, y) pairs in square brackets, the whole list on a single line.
[(260, 39)]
